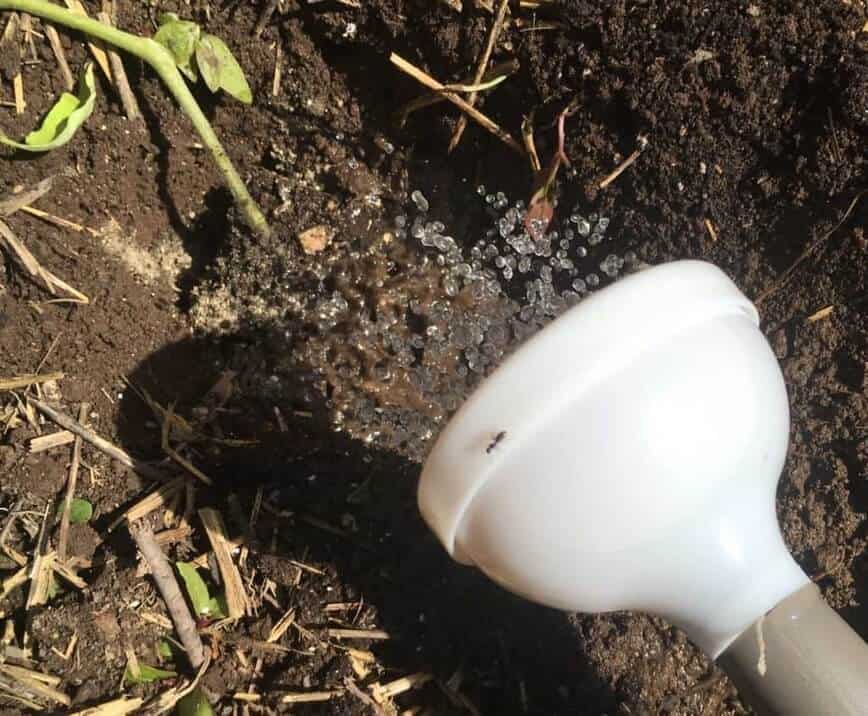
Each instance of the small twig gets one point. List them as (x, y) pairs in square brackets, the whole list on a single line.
[(493, 34), (168, 418), (530, 144), (278, 69), (117, 707), (821, 314), (59, 221), (164, 577), (60, 56), (96, 48), (35, 269), (373, 634), (782, 280), (429, 82), (309, 697), (41, 566), (23, 381), (24, 198), (128, 99), (500, 71), (643, 142), (63, 536), (711, 230), (104, 446)]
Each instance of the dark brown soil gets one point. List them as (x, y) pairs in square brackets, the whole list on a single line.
[(755, 116)]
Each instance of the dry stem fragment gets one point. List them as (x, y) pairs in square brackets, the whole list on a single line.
[(237, 601), (164, 577), (493, 34)]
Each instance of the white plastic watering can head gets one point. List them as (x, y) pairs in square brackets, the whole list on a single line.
[(626, 457), (641, 436)]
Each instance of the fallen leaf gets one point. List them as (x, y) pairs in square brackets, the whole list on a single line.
[(62, 120)]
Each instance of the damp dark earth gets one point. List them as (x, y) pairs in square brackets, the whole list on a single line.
[(265, 402)]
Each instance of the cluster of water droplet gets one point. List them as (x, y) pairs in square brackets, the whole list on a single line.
[(394, 334), (449, 313)]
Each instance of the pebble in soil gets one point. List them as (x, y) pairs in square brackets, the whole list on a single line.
[(393, 335)]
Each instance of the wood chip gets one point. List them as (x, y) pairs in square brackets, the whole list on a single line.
[(18, 91), (237, 601), (10, 584), (310, 697), (374, 634), (35, 682), (63, 571), (117, 707), (315, 239), (712, 232), (388, 691), (50, 441), (176, 534), (821, 314), (279, 629)]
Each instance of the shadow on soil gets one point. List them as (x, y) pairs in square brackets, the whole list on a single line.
[(443, 615)]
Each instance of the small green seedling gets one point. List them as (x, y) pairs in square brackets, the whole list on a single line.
[(170, 53), (63, 120), (213, 59), (80, 511), (164, 650), (194, 704), (147, 675), (204, 605)]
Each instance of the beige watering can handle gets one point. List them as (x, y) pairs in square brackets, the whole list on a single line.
[(800, 659)]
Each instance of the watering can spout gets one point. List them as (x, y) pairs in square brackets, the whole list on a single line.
[(627, 457)]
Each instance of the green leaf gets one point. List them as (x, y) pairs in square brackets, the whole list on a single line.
[(147, 675), (179, 37), (220, 69), (80, 511), (62, 120), (164, 649), (197, 591), (194, 704)]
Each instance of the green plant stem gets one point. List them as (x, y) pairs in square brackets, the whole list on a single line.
[(161, 60)]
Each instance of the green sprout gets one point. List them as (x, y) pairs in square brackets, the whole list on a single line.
[(204, 605), (178, 47), (147, 675)]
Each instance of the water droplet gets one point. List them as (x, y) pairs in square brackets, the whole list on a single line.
[(419, 200)]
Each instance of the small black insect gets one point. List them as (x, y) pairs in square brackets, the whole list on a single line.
[(497, 440)]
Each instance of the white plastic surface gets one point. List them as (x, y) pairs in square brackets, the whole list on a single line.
[(645, 431)]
